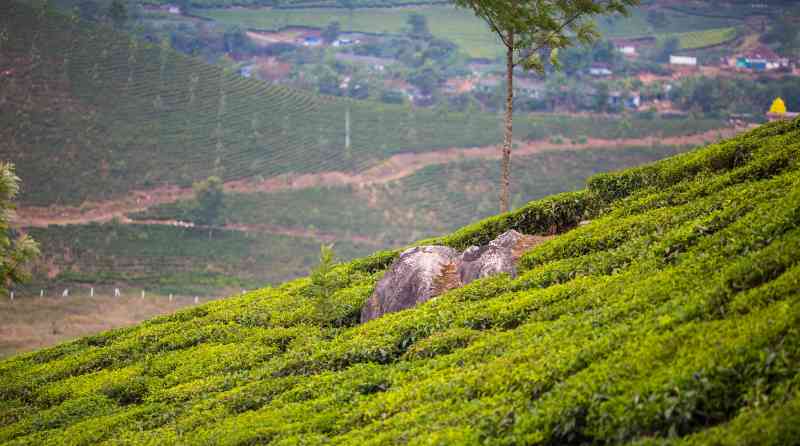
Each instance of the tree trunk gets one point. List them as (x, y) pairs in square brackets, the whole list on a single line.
[(509, 130)]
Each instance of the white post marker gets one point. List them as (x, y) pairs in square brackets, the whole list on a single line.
[(91, 292), (65, 293), (12, 295), (116, 292), (170, 297), (142, 294), (41, 293), (196, 300)]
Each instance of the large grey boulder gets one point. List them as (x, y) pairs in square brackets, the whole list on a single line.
[(499, 256), (409, 281), (489, 260)]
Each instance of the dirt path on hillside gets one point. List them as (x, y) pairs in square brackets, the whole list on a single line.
[(394, 168)]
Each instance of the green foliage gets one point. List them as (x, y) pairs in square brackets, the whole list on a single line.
[(528, 28), (671, 317), (418, 25), (323, 282), (118, 13), (209, 196), (331, 32), (16, 250)]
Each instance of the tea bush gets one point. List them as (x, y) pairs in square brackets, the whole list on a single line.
[(671, 317)]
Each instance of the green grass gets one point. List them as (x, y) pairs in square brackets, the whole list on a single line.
[(166, 259), (91, 114), (701, 39), (672, 318), (462, 27), (637, 25)]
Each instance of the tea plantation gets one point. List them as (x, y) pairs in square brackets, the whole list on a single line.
[(435, 200), (168, 259), (672, 317), (87, 113)]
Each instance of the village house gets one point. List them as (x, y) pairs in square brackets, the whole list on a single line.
[(312, 41), (344, 42), (531, 88), (630, 47), (457, 85), (487, 84), (377, 64), (170, 8), (683, 60), (761, 58), (600, 70), (246, 71), (632, 100)]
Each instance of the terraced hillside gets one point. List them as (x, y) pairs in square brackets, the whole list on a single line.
[(87, 114), (271, 237), (671, 318), (435, 200)]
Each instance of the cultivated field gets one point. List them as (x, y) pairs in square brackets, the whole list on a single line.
[(463, 28)]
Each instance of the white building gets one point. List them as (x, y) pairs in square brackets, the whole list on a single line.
[(683, 60)]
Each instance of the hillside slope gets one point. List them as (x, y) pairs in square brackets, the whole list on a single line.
[(88, 113), (672, 318)]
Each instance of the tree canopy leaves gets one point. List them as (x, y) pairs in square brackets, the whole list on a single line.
[(15, 250), (543, 24)]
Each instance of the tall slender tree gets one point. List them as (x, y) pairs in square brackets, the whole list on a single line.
[(527, 28), (210, 205)]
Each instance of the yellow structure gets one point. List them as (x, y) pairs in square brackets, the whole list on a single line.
[(778, 107)]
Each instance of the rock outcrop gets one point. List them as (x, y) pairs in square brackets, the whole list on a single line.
[(409, 281), (497, 257), (424, 272)]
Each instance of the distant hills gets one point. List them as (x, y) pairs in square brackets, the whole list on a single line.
[(90, 113)]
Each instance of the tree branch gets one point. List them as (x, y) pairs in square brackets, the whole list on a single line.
[(497, 31)]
